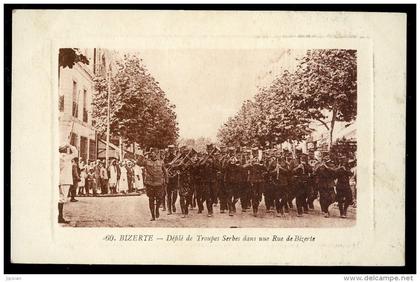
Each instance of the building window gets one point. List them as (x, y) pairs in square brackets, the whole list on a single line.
[(75, 107), (83, 147), (85, 113), (61, 103), (92, 149)]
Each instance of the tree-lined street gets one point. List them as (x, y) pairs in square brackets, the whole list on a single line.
[(130, 116)]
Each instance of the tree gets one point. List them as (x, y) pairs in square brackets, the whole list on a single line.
[(140, 111), (269, 117), (327, 83), (280, 120), (67, 57), (240, 130)]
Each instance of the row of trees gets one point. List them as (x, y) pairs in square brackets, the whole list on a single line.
[(323, 88), (140, 111)]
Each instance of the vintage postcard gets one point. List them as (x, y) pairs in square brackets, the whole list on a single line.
[(175, 137)]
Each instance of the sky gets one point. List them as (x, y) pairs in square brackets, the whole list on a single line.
[(208, 86)]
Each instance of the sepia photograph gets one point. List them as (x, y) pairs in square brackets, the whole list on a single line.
[(173, 137), (207, 138)]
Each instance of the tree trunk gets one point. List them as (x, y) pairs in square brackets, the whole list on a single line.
[(334, 116)]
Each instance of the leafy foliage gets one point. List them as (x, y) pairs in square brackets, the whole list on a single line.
[(67, 57), (140, 111), (328, 81), (324, 85)]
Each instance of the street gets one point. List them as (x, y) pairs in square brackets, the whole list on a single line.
[(133, 211)]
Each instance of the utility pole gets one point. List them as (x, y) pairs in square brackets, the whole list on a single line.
[(108, 117)]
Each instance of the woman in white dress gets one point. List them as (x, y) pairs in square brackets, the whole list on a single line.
[(123, 183), (138, 177), (113, 177), (83, 176)]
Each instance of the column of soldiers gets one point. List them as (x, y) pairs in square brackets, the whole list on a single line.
[(223, 177)]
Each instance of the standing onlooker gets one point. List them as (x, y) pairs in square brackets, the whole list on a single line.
[(130, 174), (76, 179), (67, 153), (138, 177), (97, 169), (113, 176), (123, 182), (90, 179), (82, 178), (104, 179), (353, 181)]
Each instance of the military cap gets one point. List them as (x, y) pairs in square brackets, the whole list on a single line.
[(171, 146)]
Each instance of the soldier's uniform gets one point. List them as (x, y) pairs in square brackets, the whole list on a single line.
[(280, 174), (269, 186), (344, 193), (245, 187), (172, 184), (221, 163), (209, 183), (312, 191), (197, 180), (199, 183), (155, 175), (324, 178), (257, 172), (207, 191), (185, 187), (291, 187), (233, 171), (301, 175)]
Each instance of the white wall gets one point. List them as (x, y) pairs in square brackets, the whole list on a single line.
[(81, 75)]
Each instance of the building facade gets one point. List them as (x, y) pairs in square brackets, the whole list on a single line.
[(76, 86)]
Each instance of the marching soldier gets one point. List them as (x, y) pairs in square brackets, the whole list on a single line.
[(324, 178), (301, 176), (280, 174), (245, 185), (199, 182), (208, 174), (172, 181), (256, 179), (212, 169), (291, 187), (344, 193), (312, 191), (185, 185), (195, 174), (269, 185), (155, 175), (232, 182), (221, 164)]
